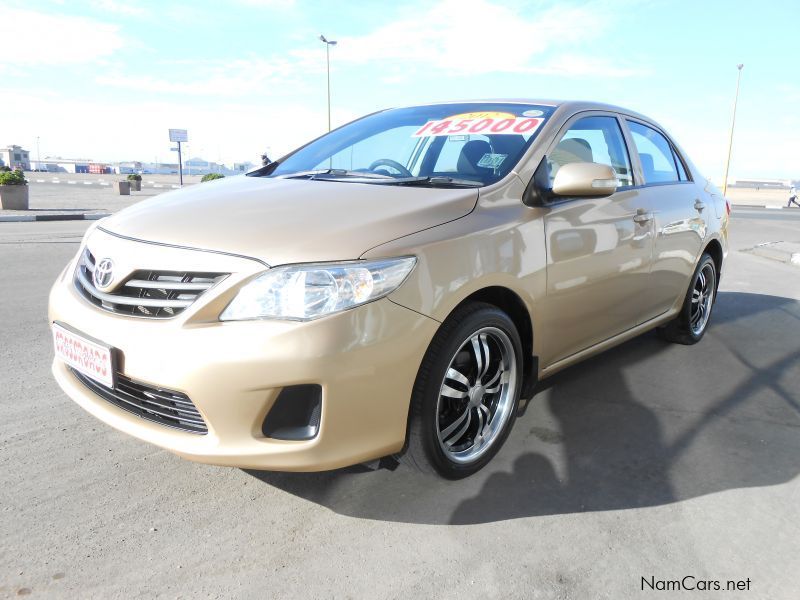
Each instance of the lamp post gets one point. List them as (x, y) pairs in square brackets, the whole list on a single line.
[(38, 156), (328, 43), (733, 122)]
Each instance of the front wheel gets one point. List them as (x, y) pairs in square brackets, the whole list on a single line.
[(466, 394), (692, 320)]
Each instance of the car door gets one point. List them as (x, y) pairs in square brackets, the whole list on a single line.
[(598, 249), (679, 215)]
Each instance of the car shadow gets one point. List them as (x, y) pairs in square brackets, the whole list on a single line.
[(644, 424)]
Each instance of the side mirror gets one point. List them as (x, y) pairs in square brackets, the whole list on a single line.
[(585, 179)]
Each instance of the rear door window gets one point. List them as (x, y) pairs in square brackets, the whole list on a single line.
[(681, 169), (655, 154)]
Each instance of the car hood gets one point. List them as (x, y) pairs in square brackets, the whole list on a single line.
[(280, 221)]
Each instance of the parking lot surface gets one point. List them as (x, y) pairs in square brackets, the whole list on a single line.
[(650, 461)]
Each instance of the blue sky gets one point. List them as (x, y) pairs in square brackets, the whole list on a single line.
[(104, 79)]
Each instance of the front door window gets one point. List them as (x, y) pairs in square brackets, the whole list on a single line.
[(593, 139)]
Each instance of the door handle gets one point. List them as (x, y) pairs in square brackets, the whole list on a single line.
[(641, 216), (699, 206)]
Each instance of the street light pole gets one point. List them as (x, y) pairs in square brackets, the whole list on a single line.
[(180, 165), (328, 43), (38, 156), (733, 122)]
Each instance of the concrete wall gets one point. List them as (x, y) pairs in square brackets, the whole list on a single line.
[(762, 197)]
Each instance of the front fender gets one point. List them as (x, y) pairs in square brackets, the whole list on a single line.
[(501, 246)]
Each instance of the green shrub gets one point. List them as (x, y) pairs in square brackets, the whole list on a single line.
[(13, 178), (134, 177), (212, 176), (4, 168)]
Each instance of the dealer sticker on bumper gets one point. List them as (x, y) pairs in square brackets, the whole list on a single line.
[(83, 355)]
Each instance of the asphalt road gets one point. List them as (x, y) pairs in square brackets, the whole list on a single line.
[(652, 460)]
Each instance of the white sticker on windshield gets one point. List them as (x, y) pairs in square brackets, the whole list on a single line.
[(492, 161), (532, 113)]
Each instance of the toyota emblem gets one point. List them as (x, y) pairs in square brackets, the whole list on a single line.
[(103, 273)]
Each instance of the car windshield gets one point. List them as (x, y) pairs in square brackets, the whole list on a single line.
[(444, 144)]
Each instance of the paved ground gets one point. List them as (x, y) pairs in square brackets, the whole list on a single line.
[(652, 460), (64, 198), (77, 193)]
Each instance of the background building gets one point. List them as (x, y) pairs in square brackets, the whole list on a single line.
[(56, 164), (127, 167), (768, 184), (243, 167), (153, 168), (201, 166), (15, 157)]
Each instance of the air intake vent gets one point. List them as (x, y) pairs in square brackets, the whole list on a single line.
[(160, 405), (154, 294), (295, 414)]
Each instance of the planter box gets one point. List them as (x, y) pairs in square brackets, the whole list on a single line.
[(136, 186), (124, 188), (14, 197)]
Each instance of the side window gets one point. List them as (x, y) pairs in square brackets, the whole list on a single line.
[(593, 139), (655, 154), (681, 169)]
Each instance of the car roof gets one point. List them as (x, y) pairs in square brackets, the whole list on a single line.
[(568, 106)]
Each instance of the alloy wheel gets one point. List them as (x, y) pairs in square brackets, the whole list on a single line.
[(702, 299), (477, 394)]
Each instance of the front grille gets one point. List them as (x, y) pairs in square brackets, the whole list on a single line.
[(154, 294), (166, 407)]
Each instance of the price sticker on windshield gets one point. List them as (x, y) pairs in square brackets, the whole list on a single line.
[(486, 123)]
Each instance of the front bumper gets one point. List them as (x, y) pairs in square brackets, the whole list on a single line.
[(365, 360)]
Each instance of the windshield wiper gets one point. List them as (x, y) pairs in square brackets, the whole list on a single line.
[(333, 174), (436, 181)]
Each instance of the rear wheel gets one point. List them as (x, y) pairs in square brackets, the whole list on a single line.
[(466, 394), (691, 323)]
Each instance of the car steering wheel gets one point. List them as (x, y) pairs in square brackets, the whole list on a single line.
[(388, 162)]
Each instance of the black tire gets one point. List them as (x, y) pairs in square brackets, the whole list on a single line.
[(424, 450), (682, 329)]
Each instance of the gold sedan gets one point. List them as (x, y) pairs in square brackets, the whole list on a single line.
[(392, 288)]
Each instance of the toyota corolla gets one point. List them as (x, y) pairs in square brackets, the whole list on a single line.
[(391, 289)]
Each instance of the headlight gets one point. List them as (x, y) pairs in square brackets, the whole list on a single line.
[(306, 292)]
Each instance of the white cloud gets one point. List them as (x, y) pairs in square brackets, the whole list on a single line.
[(127, 8), (227, 130), (790, 92), (34, 38), (209, 86), (476, 37), (233, 79), (568, 65), (266, 3)]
